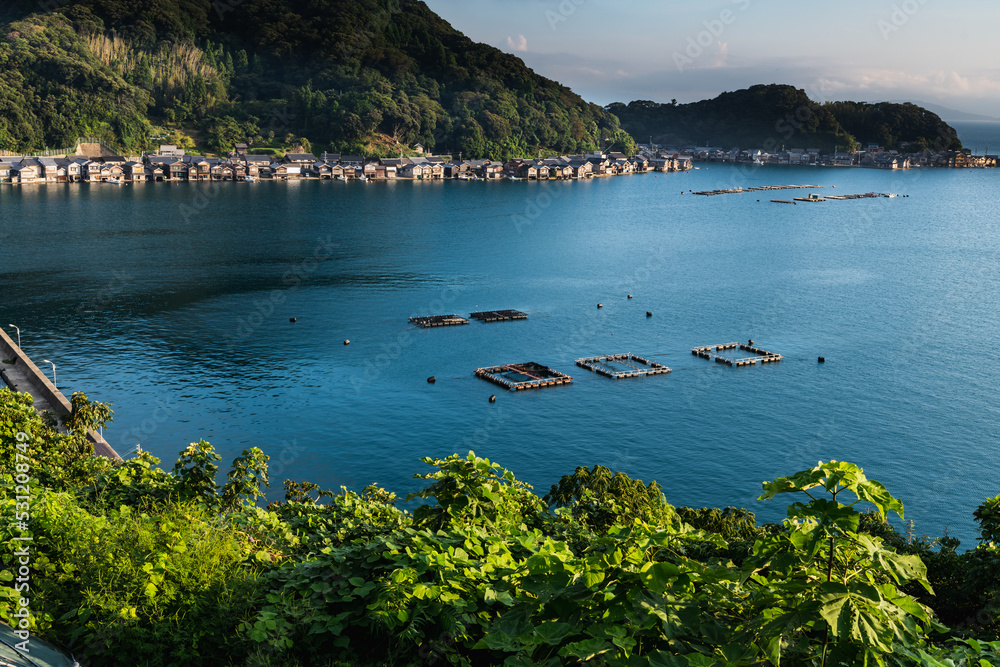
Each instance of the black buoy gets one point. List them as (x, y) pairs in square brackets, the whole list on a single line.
[(431, 380), (751, 342), (293, 319), (347, 342), (493, 398), (822, 360), (649, 314)]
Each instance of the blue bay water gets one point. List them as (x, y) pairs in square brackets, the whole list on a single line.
[(172, 301), (979, 136)]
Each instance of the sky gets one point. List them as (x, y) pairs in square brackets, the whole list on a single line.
[(929, 51)]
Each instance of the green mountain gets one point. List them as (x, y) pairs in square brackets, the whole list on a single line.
[(894, 125), (357, 76), (348, 75), (772, 116)]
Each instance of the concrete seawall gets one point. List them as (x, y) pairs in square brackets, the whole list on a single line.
[(24, 376)]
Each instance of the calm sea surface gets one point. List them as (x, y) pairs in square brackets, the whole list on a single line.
[(172, 302), (979, 136)]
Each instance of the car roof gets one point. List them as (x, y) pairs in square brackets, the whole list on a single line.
[(40, 652)]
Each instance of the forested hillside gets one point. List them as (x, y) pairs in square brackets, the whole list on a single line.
[(359, 76), (760, 116), (772, 116), (894, 125), (349, 75)]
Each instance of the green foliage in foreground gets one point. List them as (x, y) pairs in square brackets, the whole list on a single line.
[(134, 565)]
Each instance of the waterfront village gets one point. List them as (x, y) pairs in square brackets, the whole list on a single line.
[(95, 162)]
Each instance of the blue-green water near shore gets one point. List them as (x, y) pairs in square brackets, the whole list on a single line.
[(172, 301)]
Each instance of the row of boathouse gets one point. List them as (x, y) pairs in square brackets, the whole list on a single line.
[(170, 164)]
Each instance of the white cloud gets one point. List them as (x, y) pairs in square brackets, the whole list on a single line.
[(938, 83), (519, 43), (722, 55), (599, 79)]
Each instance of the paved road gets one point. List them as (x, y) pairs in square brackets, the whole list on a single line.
[(23, 376), (18, 380)]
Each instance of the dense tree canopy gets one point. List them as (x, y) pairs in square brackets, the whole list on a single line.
[(896, 126), (353, 75), (772, 116)]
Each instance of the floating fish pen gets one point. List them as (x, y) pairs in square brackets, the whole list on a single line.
[(498, 315), (809, 198), (782, 201), (622, 366), (438, 321), (763, 188), (705, 351), (762, 356), (758, 351), (528, 375), (866, 195)]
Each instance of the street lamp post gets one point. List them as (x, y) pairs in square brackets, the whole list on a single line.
[(18, 334), (53, 373)]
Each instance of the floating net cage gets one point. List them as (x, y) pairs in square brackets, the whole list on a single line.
[(527, 375), (622, 366), (438, 321), (498, 315), (760, 356)]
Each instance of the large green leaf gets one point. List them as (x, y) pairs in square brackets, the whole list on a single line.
[(497, 640), (552, 632), (773, 650), (514, 622), (911, 607), (832, 600), (872, 629), (904, 567), (664, 659), (866, 591), (800, 481), (832, 476), (827, 513), (659, 576), (588, 649), (875, 493), (592, 578)]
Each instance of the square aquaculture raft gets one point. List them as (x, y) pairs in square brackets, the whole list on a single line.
[(528, 375), (438, 321), (735, 359), (622, 366), (498, 315)]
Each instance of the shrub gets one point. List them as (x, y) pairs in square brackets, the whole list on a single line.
[(600, 499)]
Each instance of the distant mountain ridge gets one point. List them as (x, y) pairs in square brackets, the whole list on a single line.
[(771, 116)]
